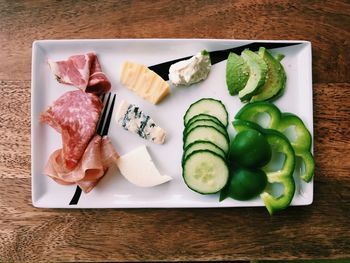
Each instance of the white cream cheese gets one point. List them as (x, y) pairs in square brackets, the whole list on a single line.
[(187, 72)]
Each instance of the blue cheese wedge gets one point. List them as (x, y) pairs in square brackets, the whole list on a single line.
[(139, 169), (133, 119), (193, 70)]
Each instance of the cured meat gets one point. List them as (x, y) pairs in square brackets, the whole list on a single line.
[(97, 158), (74, 71), (98, 81), (81, 71), (74, 115)]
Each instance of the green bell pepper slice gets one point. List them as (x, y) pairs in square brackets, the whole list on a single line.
[(301, 144), (281, 122), (251, 111), (284, 176)]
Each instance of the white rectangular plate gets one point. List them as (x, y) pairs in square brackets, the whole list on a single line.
[(114, 191)]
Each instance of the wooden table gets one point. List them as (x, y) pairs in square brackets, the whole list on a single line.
[(318, 231)]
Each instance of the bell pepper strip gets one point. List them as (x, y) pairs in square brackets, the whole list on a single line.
[(251, 112), (301, 144), (281, 122), (283, 176)]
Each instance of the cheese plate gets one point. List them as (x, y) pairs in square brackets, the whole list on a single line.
[(114, 191)]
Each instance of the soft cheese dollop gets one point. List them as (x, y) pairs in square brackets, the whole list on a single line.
[(187, 72)]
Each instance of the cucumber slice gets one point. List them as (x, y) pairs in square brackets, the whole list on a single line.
[(207, 133), (205, 172), (210, 123), (207, 106), (203, 145), (204, 117)]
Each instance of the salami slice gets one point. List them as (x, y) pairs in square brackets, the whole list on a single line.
[(74, 115)]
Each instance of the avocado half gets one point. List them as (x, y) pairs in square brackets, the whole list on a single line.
[(258, 71), (276, 78)]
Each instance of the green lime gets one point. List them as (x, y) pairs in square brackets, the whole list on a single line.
[(250, 149), (246, 184)]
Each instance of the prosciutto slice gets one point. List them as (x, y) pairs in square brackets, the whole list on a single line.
[(83, 72), (97, 158), (74, 115)]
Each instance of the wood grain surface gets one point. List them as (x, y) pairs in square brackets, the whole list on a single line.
[(318, 231)]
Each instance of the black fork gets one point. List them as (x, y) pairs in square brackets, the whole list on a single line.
[(102, 129)]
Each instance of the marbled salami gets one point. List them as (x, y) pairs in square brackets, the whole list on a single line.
[(74, 115)]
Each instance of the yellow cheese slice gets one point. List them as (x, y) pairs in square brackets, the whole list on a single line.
[(144, 82)]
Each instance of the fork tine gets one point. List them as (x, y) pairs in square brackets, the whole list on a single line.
[(103, 116), (103, 96), (109, 117)]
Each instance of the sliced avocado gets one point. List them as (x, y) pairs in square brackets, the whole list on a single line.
[(237, 73), (257, 76), (276, 78)]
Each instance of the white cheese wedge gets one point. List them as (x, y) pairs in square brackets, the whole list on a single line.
[(138, 168), (133, 119), (144, 82)]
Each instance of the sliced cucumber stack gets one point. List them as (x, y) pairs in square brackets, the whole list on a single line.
[(206, 144)]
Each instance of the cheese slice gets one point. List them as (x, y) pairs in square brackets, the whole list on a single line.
[(138, 168), (133, 119), (144, 82)]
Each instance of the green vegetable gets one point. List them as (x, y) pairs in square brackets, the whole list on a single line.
[(207, 106), (211, 123), (275, 80), (203, 117), (205, 172), (284, 176), (245, 184), (301, 144), (258, 72), (282, 122), (255, 77), (207, 133), (206, 145), (203, 145), (250, 149), (237, 73)]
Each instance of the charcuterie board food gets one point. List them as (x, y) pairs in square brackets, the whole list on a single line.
[(171, 123)]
